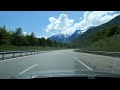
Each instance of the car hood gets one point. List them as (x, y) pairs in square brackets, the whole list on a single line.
[(76, 73)]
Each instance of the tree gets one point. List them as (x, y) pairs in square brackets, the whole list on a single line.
[(18, 31), (39, 41), (54, 44), (17, 37), (3, 35), (49, 42), (28, 39), (25, 40), (43, 42), (113, 31), (10, 36), (32, 39)]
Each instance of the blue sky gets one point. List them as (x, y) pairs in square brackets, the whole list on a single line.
[(47, 23)]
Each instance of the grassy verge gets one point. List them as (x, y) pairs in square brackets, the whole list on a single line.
[(24, 48), (111, 44), (112, 54)]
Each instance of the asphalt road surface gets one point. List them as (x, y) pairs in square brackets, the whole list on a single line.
[(58, 60)]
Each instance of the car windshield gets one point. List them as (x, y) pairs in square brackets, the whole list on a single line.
[(59, 44)]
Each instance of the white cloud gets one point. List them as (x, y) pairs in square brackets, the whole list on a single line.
[(25, 33), (95, 18), (42, 36), (67, 26), (60, 24)]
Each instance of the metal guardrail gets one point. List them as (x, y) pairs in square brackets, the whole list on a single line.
[(3, 53)]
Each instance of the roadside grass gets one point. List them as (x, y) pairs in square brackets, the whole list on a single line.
[(111, 44), (25, 48), (99, 53)]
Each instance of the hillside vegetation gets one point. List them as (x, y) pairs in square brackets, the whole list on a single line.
[(108, 44), (103, 37)]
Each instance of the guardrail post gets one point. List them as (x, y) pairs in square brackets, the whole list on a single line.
[(26, 53), (21, 54), (2, 56), (13, 55)]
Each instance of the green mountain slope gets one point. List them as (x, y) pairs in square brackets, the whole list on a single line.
[(108, 44), (102, 37)]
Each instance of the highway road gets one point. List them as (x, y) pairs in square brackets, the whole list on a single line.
[(58, 60)]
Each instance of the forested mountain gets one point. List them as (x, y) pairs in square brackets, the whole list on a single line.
[(97, 33)]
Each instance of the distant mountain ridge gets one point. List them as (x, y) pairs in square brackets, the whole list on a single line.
[(64, 38), (59, 37), (74, 36)]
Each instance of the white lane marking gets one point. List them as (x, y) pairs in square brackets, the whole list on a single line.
[(83, 63), (27, 69)]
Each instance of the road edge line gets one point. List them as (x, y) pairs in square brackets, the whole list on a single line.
[(83, 64)]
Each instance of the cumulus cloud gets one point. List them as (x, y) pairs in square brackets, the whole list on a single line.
[(95, 18), (25, 33), (67, 26), (42, 36), (62, 23)]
